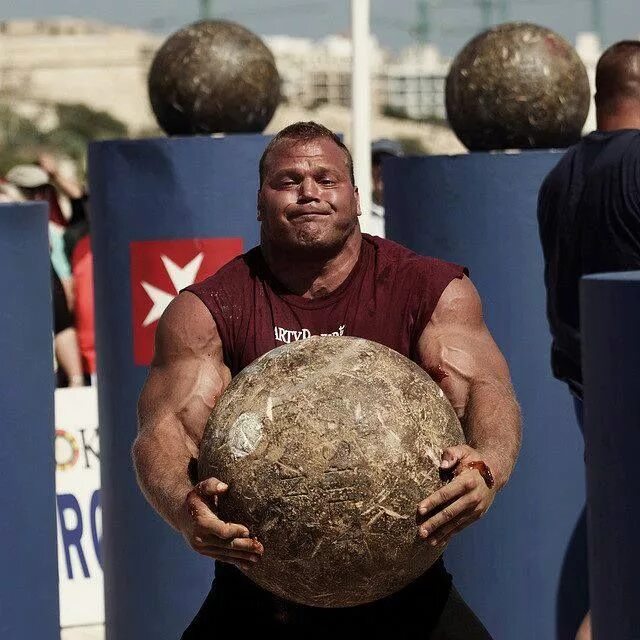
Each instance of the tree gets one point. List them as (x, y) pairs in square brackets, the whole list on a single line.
[(88, 123), (21, 140)]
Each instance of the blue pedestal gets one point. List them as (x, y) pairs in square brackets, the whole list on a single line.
[(523, 567), (610, 317), (28, 552), (149, 200)]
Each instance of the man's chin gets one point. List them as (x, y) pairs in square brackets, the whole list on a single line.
[(314, 242), (311, 240)]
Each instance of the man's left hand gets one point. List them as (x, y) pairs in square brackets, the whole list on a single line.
[(462, 501)]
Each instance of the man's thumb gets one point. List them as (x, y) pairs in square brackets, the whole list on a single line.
[(450, 457)]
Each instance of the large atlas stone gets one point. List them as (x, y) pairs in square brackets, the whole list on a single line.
[(328, 445), (517, 86), (213, 76)]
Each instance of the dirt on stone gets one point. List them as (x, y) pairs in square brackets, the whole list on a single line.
[(328, 445)]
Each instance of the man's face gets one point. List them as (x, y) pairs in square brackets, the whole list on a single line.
[(307, 200), (32, 193), (376, 179)]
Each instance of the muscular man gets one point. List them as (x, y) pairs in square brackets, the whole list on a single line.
[(589, 212), (314, 273)]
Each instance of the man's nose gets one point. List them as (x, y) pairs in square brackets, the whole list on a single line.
[(308, 190)]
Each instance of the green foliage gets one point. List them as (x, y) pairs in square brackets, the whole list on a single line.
[(151, 132), (412, 146), (87, 123), (394, 112), (21, 140), (400, 114), (436, 120)]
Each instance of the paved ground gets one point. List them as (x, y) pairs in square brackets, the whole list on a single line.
[(83, 633)]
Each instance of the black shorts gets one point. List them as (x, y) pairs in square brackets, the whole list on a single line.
[(430, 605)]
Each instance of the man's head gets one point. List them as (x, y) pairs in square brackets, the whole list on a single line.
[(30, 179), (307, 199), (381, 149), (618, 86)]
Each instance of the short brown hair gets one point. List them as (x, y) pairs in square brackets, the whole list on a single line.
[(305, 132), (618, 73)]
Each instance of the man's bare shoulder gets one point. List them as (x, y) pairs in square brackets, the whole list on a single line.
[(229, 279), (186, 329), (460, 303)]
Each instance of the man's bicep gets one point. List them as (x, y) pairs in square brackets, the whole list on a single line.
[(456, 346), (188, 373)]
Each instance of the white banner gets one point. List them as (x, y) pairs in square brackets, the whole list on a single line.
[(78, 507)]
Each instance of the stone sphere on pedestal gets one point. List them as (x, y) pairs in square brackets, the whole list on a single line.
[(517, 86), (213, 76)]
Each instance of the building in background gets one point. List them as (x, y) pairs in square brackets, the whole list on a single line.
[(410, 84), (319, 72), (589, 49), (415, 82), (71, 60)]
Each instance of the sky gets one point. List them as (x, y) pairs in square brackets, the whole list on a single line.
[(452, 22)]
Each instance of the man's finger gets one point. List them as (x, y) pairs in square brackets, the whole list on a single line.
[(206, 522), (250, 545), (451, 456), (229, 556), (447, 515), (444, 533), (464, 483), (210, 487), (226, 554), (226, 530), (444, 537)]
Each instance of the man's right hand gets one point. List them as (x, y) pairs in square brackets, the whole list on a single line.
[(210, 536)]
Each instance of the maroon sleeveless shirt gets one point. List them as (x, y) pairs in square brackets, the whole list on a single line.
[(388, 297)]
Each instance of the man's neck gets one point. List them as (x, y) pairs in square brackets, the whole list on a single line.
[(626, 117), (312, 277)]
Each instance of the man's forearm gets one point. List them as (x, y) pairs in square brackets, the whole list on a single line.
[(161, 460), (492, 425)]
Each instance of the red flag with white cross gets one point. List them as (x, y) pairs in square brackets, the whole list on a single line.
[(159, 270)]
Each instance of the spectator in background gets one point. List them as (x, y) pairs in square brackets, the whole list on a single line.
[(65, 342), (66, 185), (33, 183), (589, 212), (82, 270), (77, 248), (73, 336), (381, 149), (9, 193)]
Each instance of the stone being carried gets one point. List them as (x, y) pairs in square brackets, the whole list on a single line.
[(327, 445)]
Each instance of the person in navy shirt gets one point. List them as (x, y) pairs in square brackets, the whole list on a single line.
[(589, 212)]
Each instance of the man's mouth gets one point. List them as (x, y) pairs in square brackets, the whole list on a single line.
[(306, 213)]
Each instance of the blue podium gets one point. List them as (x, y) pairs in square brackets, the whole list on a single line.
[(164, 212), (28, 553), (610, 318), (523, 567)]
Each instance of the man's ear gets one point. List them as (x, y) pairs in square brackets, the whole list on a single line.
[(357, 195), (259, 204)]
